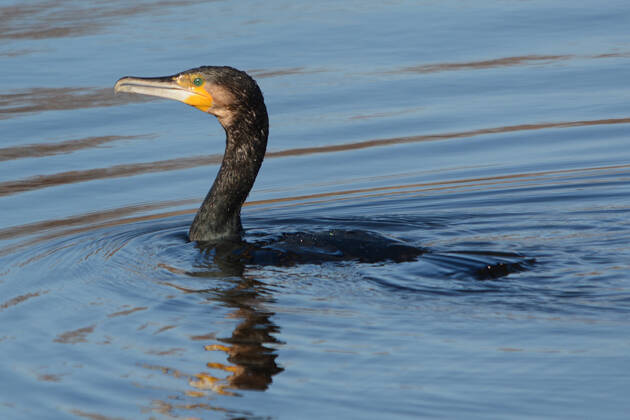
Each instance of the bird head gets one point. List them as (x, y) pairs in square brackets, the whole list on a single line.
[(219, 91)]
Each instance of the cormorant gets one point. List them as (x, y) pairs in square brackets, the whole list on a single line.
[(236, 100)]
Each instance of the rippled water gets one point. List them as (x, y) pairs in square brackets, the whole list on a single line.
[(440, 227)]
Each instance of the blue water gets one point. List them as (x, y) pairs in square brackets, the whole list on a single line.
[(493, 137)]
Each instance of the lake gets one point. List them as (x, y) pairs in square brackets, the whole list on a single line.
[(440, 228)]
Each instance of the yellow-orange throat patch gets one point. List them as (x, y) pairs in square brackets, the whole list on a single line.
[(199, 97)]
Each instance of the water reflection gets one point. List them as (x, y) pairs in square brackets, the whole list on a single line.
[(251, 363), (62, 147), (54, 19), (123, 170), (501, 62), (41, 99), (267, 73), (251, 358)]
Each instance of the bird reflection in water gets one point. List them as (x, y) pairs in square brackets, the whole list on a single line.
[(252, 364), (251, 361)]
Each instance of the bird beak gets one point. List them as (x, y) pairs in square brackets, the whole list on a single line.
[(178, 87)]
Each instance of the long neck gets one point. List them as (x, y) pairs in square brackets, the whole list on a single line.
[(246, 141)]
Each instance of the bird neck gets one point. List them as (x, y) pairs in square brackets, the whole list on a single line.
[(219, 216)]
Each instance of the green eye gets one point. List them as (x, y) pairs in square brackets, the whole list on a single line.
[(198, 81)]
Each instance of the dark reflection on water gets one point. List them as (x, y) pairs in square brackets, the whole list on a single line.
[(251, 364), (63, 18), (63, 178), (68, 146), (42, 99), (502, 62)]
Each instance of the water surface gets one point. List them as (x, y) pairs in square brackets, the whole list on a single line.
[(492, 138)]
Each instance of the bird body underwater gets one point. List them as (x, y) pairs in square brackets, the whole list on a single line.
[(236, 100)]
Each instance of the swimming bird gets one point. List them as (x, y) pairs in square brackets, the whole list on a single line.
[(235, 99)]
